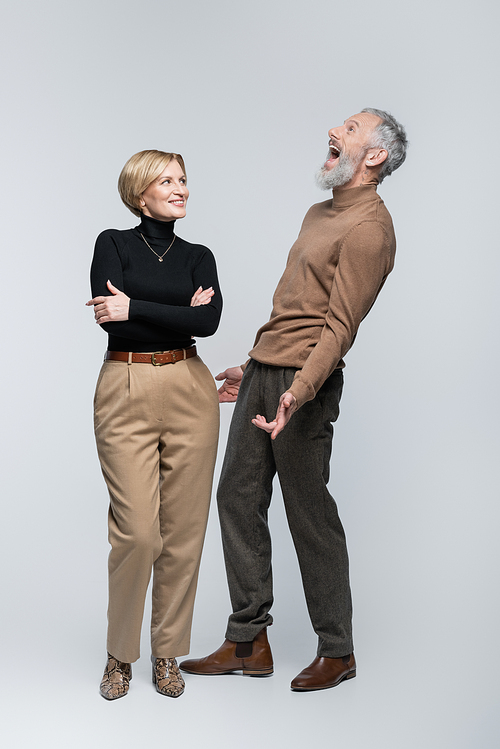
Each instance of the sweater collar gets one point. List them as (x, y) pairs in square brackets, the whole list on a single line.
[(346, 196), (155, 229)]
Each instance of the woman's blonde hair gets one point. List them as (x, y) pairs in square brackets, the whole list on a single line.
[(139, 172)]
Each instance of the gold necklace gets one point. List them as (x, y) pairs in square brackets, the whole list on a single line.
[(160, 257)]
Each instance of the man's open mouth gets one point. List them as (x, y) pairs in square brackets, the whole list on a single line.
[(333, 155), (334, 152)]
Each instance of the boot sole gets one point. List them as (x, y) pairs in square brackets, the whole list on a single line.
[(244, 671)]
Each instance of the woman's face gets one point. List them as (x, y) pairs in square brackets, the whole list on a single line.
[(165, 199)]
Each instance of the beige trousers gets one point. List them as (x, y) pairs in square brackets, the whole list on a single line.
[(156, 431)]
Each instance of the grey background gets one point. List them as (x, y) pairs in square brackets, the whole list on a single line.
[(246, 92)]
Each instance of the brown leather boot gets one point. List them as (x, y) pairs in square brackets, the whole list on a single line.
[(324, 673), (116, 679), (252, 658)]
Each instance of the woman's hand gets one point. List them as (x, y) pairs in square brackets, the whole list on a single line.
[(228, 392), (201, 296), (110, 308)]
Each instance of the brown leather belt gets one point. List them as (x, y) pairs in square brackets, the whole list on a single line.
[(158, 359)]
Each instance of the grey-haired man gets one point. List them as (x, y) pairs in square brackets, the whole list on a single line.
[(287, 399)]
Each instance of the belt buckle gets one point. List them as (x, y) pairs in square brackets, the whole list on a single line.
[(157, 363)]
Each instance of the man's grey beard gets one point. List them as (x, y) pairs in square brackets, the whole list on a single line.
[(342, 173)]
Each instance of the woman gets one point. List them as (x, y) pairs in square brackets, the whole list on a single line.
[(156, 417)]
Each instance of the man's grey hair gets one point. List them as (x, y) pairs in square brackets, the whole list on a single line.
[(391, 136)]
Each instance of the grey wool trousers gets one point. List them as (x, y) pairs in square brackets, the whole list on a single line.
[(301, 457)]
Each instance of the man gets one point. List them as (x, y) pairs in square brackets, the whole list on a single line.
[(335, 270)]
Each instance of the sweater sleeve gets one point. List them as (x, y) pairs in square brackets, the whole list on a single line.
[(148, 320), (364, 263)]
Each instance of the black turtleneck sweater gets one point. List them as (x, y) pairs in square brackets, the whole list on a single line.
[(160, 317)]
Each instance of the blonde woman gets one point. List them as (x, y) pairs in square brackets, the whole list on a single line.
[(156, 417)]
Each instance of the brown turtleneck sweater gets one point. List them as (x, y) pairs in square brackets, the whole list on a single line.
[(335, 270)]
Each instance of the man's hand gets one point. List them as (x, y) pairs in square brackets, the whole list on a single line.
[(201, 297), (287, 406), (110, 308), (228, 392)]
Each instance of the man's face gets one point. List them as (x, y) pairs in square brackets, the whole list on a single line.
[(348, 145)]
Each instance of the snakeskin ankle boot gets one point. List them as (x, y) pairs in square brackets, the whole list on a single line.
[(116, 679), (166, 677)]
